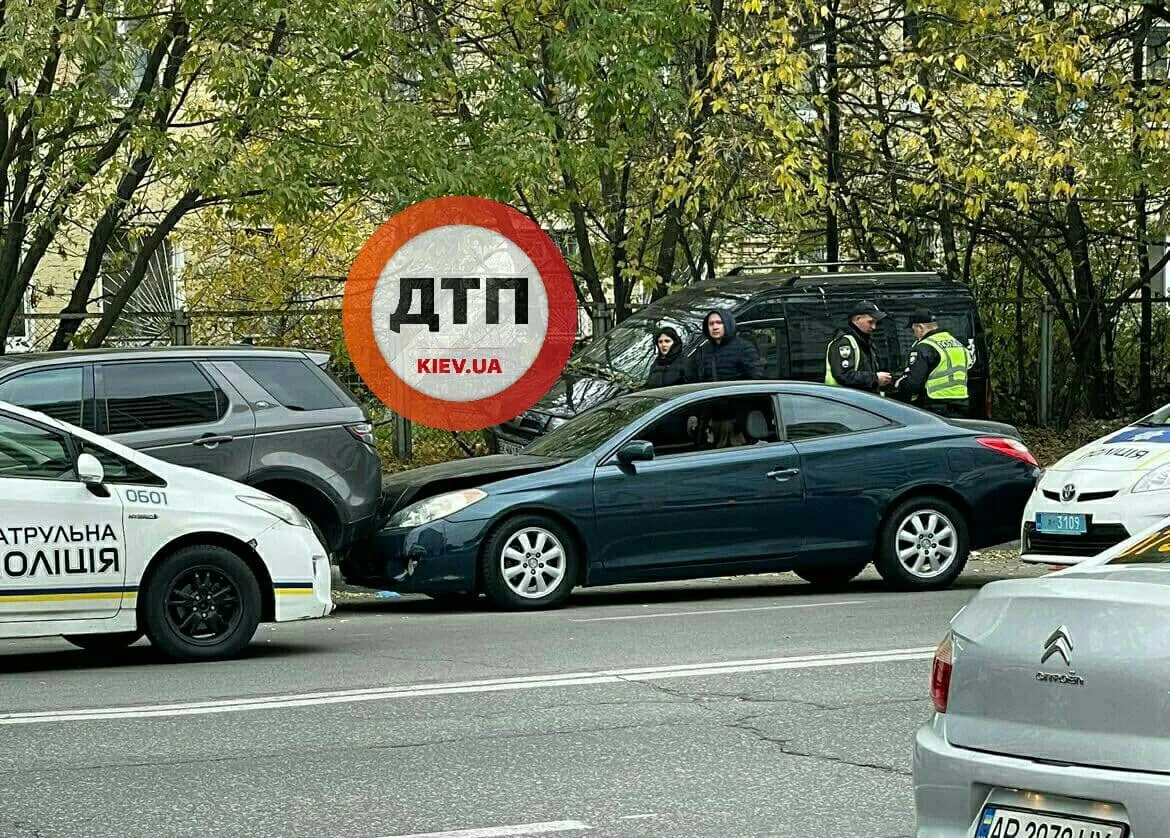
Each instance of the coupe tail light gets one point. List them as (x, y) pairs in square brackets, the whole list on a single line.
[(362, 431), (940, 674), (1010, 447)]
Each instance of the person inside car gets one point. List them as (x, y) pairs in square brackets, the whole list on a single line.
[(725, 356)]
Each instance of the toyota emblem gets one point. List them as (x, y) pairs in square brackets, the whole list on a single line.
[(1068, 492)]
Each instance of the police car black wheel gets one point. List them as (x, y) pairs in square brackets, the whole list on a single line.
[(202, 603), (529, 563), (924, 545), (830, 576), (107, 642)]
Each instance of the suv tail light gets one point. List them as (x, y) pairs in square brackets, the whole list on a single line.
[(1010, 447), (940, 674), (363, 431)]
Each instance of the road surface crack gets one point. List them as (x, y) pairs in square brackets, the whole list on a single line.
[(743, 725)]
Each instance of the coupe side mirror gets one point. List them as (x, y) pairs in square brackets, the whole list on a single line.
[(634, 451), (90, 471)]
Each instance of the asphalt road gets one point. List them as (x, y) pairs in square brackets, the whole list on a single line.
[(748, 707)]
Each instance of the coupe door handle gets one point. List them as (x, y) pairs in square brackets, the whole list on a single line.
[(211, 440), (783, 473)]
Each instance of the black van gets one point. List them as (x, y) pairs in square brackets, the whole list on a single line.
[(789, 313)]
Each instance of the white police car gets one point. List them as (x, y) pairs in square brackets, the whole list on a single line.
[(102, 544), (1100, 494)]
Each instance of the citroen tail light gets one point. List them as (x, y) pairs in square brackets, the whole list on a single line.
[(940, 673), (1009, 447)]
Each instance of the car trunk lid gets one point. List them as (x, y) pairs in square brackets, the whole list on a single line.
[(1071, 669)]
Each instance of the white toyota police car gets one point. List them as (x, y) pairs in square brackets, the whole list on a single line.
[(103, 544), (1100, 494)]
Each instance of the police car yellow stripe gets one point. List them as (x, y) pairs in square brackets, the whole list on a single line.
[(65, 594), (294, 588)]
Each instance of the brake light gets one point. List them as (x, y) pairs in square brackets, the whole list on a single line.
[(940, 674), (1010, 447), (363, 432)]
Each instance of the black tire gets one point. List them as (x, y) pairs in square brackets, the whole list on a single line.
[(190, 575), (114, 641), (892, 569), (830, 577), (527, 526)]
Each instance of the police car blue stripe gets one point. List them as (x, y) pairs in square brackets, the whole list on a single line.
[(292, 585), (94, 589)]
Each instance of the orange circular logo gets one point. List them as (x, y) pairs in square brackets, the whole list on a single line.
[(459, 313)]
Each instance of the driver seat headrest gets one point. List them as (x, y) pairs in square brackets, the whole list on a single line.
[(757, 425)]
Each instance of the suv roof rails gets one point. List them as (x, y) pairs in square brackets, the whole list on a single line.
[(738, 270), (875, 278)]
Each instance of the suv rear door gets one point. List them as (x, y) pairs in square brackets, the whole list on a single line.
[(177, 409)]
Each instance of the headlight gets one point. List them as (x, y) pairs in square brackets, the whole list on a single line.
[(432, 509), (1154, 481), (284, 511)]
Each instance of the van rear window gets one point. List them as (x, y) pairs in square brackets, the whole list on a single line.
[(292, 383)]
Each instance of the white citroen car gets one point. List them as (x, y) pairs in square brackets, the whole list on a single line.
[(102, 544), (1100, 494)]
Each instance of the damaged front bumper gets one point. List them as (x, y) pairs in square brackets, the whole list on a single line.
[(439, 557)]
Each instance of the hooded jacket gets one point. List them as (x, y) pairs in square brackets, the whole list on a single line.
[(667, 369), (733, 359)]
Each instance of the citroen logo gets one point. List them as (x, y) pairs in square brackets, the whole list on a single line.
[(1058, 643), (1068, 492)]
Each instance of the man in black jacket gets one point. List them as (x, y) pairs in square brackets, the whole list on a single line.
[(725, 356), (850, 360)]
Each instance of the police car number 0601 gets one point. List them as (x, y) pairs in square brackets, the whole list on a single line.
[(146, 496)]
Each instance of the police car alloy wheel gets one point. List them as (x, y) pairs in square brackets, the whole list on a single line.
[(529, 562), (924, 545), (203, 602)]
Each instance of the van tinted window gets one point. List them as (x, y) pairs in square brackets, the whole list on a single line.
[(291, 382), (55, 392), (165, 394)]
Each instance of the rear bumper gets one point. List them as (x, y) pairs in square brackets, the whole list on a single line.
[(439, 557), (952, 784)]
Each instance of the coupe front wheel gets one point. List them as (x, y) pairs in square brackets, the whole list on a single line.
[(529, 563), (924, 545)]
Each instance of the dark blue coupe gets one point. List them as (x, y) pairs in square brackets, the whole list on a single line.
[(706, 480)]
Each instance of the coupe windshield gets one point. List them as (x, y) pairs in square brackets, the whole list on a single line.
[(583, 433)]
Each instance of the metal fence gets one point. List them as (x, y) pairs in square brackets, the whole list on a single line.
[(1035, 378)]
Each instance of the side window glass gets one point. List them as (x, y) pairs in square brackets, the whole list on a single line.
[(28, 451), (55, 392), (767, 340), (729, 422), (810, 417), (166, 394), (118, 470), (291, 383), (812, 325)]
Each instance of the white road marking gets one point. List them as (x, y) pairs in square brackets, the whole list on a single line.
[(723, 611), (503, 831), (568, 679)]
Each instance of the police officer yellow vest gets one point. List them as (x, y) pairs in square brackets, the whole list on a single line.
[(948, 380), (829, 378)]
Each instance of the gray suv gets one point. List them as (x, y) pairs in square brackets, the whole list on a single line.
[(271, 418)]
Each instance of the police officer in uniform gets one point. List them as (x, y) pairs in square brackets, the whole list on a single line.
[(936, 375), (850, 360)]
